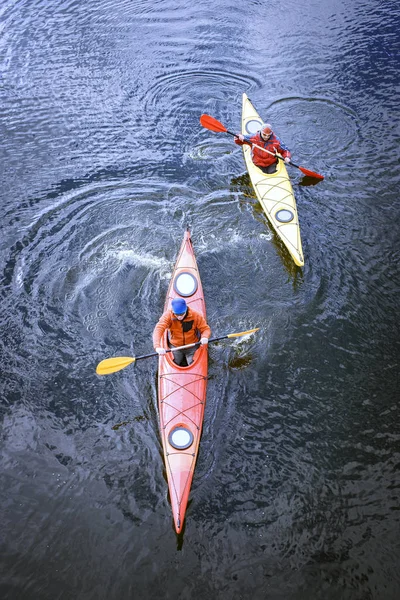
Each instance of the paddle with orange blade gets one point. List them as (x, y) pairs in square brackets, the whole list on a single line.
[(212, 124)]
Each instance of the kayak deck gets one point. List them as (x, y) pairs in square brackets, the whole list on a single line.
[(274, 191), (182, 390)]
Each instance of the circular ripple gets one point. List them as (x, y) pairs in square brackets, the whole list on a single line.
[(315, 126)]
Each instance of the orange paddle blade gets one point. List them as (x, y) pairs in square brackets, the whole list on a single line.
[(212, 124)]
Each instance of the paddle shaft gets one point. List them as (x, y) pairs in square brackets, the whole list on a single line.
[(216, 339), (117, 363)]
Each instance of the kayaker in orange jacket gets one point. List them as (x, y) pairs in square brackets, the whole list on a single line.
[(185, 326), (268, 140)]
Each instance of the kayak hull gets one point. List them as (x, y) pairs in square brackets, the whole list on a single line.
[(182, 390), (274, 191)]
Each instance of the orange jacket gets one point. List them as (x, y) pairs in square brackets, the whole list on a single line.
[(187, 331)]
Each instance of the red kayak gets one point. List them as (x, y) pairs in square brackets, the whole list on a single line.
[(182, 390)]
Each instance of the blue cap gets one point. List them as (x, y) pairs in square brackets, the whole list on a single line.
[(179, 306)]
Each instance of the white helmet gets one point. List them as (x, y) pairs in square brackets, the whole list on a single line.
[(266, 128)]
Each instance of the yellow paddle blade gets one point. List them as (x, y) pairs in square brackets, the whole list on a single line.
[(112, 365), (242, 333)]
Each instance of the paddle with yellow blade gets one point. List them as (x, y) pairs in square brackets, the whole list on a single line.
[(112, 365), (212, 124)]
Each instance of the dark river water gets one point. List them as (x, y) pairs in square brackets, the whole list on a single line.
[(103, 164)]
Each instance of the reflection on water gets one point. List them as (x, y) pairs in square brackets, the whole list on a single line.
[(240, 362), (243, 185), (307, 181)]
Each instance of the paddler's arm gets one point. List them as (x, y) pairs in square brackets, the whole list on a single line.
[(284, 152), (163, 323), (204, 329), (240, 139)]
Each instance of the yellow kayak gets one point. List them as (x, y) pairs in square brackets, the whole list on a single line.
[(274, 191)]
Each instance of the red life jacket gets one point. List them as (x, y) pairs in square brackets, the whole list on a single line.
[(261, 158)]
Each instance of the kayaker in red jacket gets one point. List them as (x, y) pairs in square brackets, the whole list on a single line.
[(185, 326), (268, 140)]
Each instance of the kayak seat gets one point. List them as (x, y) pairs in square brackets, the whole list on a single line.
[(184, 362), (270, 169)]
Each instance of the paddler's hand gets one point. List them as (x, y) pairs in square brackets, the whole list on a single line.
[(160, 351), (287, 160), (204, 341), (238, 139)]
